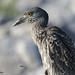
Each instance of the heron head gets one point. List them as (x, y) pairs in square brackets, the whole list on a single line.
[(33, 15)]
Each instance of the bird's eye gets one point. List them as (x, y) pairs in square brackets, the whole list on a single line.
[(29, 14)]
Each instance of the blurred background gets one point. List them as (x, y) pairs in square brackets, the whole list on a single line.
[(18, 53)]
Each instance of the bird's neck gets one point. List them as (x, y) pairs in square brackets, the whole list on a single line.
[(36, 29), (39, 25)]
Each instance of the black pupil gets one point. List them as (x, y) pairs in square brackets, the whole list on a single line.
[(29, 13)]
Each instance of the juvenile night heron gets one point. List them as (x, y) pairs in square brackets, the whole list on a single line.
[(56, 48)]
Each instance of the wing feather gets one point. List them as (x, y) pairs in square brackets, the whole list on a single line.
[(62, 49)]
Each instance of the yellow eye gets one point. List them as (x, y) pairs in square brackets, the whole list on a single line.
[(29, 14)]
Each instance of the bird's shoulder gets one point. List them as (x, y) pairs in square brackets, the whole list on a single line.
[(54, 29), (56, 32), (50, 29)]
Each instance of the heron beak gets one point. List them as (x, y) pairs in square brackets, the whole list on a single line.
[(21, 20)]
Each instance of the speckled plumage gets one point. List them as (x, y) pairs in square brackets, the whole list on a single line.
[(56, 48), (57, 51)]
